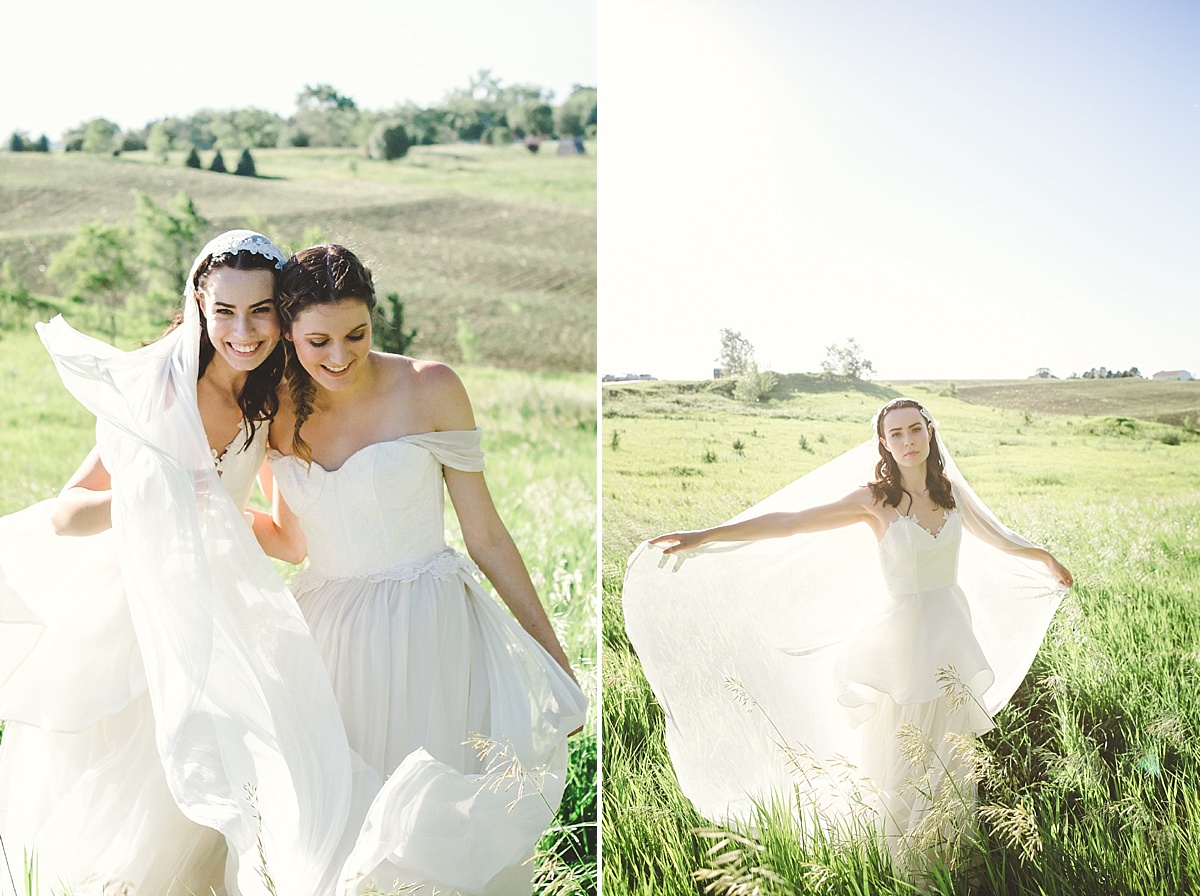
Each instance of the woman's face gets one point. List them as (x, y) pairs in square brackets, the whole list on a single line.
[(906, 435), (240, 316), (333, 341)]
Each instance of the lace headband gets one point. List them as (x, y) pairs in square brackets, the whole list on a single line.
[(891, 406), (230, 243)]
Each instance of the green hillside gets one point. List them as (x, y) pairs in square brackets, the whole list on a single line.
[(494, 243)]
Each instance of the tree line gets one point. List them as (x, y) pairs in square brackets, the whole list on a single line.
[(483, 111)]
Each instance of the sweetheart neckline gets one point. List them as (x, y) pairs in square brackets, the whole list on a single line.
[(936, 536)]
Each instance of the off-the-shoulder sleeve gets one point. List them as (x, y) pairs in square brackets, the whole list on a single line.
[(461, 449)]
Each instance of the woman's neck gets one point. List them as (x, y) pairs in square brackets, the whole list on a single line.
[(912, 480), (223, 379)]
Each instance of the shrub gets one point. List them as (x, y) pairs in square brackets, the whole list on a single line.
[(756, 385), (218, 164), (193, 159), (388, 140)]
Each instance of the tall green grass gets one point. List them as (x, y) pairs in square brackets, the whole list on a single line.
[(1090, 781)]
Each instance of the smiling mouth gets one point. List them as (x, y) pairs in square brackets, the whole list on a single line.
[(244, 348), (335, 370)]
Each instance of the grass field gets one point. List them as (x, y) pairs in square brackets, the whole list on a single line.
[(1096, 767), (497, 237)]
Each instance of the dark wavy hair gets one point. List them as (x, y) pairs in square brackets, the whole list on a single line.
[(887, 487), (318, 275), (259, 398)]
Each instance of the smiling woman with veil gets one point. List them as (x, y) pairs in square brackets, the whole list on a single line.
[(865, 654)]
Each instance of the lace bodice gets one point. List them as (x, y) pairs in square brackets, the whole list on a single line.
[(237, 467), (914, 559), (380, 510)]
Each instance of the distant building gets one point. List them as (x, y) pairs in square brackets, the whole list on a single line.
[(625, 377), (1172, 375)]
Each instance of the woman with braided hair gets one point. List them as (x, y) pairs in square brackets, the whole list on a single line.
[(436, 683), (865, 677)]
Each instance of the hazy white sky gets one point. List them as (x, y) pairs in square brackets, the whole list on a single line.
[(969, 189), (132, 61)]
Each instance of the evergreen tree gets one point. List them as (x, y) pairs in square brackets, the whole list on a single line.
[(16, 143), (193, 159), (245, 165), (218, 164), (389, 334), (42, 144)]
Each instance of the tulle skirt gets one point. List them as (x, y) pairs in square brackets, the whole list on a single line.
[(443, 694), (84, 802)]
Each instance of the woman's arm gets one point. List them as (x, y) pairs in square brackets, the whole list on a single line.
[(488, 541), (983, 529), (278, 533), (856, 507), (84, 506)]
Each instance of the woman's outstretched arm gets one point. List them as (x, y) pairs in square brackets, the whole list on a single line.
[(856, 507)]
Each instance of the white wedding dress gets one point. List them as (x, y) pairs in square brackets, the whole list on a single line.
[(84, 800), (423, 662), (247, 727), (832, 677)]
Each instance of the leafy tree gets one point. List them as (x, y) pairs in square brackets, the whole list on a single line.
[(97, 266), (164, 242), (532, 118), (42, 144), (847, 361), (737, 354), (193, 159), (576, 117), (218, 164), (98, 136), (245, 165), (498, 136), (390, 335), (323, 96), (16, 143), (388, 140), (159, 140)]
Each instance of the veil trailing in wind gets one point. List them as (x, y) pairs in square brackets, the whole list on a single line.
[(742, 643)]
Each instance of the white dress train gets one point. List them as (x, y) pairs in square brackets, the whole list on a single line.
[(832, 676)]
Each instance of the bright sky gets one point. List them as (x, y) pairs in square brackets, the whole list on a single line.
[(969, 189), (132, 61)]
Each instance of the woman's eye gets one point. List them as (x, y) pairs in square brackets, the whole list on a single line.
[(359, 338), (318, 344), (265, 309)]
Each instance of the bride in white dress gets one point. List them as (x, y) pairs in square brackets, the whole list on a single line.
[(800, 673), (83, 796), (435, 681)]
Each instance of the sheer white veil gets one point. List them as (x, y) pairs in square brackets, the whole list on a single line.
[(227, 654), (739, 640)]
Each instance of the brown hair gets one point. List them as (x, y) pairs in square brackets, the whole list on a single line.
[(318, 275), (258, 399), (887, 487)]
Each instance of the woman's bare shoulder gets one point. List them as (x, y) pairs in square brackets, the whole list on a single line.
[(433, 388)]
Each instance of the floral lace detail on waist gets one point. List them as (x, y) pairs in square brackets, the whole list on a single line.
[(447, 563)]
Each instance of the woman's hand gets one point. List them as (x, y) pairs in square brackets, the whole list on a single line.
[(680, 541), (1061, 574)]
